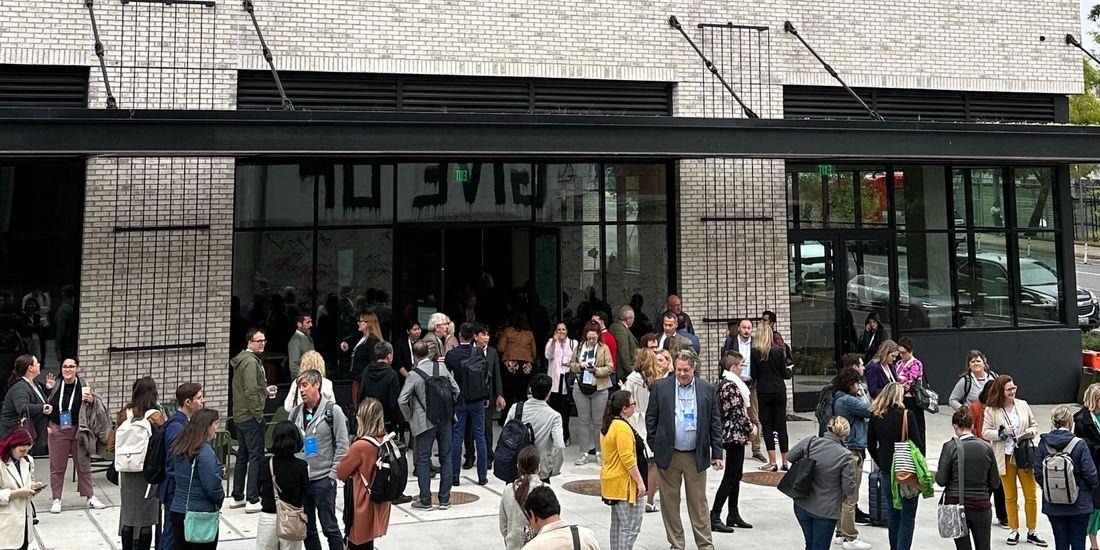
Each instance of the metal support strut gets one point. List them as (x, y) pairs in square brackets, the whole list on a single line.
[(674, 23), (101, 54), (789, 27), (1074, 42), (250, 8)]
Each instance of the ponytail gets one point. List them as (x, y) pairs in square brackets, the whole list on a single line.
[(527, 465), (22, 363)]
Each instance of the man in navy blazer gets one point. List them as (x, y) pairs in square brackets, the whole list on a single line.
[(684, 430)]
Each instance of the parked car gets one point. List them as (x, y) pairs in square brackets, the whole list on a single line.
[(1038, 289), (923, 304)]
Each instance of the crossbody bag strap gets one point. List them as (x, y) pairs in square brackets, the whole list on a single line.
[(576, 537), (187, 501), (275, 484), (905, 425)]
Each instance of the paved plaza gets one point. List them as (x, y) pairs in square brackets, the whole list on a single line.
[(475, 525)]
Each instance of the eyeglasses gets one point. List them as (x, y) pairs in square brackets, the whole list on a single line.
[(260, 341), (632, 405)]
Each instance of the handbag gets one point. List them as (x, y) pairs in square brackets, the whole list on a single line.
[(904, 467), (290, 521), (1024, 454), (951, 518), (199, 527), (927, 399), (798, 482)]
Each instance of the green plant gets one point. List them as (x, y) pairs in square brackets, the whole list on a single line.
[(1091, 341)]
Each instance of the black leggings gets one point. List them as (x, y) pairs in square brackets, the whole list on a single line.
[(773, 418), (560, 402), (369, 545), (730, 488), (978, 523), (181, 543), (137, 538)]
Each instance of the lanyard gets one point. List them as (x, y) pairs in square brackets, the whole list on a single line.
[(71, 397)]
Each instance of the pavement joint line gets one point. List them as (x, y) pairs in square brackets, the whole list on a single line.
[(98, 527), (223, 521)]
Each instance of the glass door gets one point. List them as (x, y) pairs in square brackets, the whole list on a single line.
[(837, 280)]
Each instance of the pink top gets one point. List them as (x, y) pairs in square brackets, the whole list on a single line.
[(558, 354), (908, 373)]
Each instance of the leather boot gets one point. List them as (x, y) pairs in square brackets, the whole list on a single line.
[(734, 520), (716, 525)]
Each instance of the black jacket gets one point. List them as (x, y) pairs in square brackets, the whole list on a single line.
[(379, 381), (769, 374), (359, 355), (870, 342), (884, 431), (292, 474), (982, 477), (402, 355), (1084, 426)]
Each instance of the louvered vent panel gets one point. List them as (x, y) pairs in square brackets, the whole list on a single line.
[(828, 102), (43, 86)]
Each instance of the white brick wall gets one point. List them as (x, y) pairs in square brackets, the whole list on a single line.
[(943, 44)]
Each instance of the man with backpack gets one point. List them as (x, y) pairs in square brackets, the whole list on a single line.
[(470, 369), (325, 442), (190, 399), (545, 425), (481, 343), (427, 402), (250, 392)]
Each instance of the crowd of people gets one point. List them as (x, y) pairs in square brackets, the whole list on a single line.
[(652, 426)]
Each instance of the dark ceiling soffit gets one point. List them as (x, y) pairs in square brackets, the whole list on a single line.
[(31, 132)]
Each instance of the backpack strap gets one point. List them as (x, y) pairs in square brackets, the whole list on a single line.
[(519, 411), (576, 537)]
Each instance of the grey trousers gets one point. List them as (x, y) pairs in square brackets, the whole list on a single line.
[(590, 414)]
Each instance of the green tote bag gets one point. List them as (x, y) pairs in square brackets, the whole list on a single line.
[(199, 527)]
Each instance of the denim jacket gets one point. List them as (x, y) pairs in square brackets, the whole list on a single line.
[(206, 493), (856, 412)]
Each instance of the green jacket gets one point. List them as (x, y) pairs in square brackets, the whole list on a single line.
[(249, 387), (923, 475), (625, 344)]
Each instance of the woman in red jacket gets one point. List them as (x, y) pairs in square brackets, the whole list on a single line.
[(368, 520)]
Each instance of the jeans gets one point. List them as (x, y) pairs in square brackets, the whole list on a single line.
[(442, 435), (469, 445), (1069, 531), (899, 522), (817, 531), (977, 523), (250, 453), (167, 539), (476, 413), (319, 502)]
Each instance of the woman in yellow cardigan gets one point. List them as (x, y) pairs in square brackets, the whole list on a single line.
[(622, 481)]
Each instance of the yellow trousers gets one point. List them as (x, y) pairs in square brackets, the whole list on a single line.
[(1027, 481)]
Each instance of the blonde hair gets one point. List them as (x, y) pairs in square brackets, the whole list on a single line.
[(892, 395), (840, 426), (645, 363), (1061, 417), (1092, 397), (369, 416), (668, 360), (762, 340), (312, 360), (884, 350), (374, 328)]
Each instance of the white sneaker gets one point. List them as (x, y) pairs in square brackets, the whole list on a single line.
[(255, 507), (837, 541), (237, 504), (94, 502), (56, 508), (582, 460), (856, 544), (599, 459)]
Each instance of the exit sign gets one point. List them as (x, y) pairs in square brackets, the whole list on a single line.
[(825, 169), (462, 175)]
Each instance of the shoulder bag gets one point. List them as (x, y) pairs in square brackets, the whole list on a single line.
[(927, 398), (798, 482), (290, 521), (951, 518), (198, 527), (905, 468)]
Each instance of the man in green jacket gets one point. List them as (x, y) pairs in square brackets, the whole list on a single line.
[(625, 342), (250, 390)]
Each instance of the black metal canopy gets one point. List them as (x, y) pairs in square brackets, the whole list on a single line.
[(37, 132)]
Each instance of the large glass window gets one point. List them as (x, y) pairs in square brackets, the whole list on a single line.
[(987, 197), (274, 195), (1035, 198), (638, 253), (635, 192), (1039, 298), (571, 193), (924, 281), (920, 197), (464, 191), (355, 194)]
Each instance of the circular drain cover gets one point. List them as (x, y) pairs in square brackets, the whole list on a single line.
[(767, 479), (457, 498), (589, 487)]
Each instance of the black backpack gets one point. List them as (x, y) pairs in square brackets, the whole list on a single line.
[(440, 403), (516, 435), (392, 473), (826, 408), (474, 379), (157, 454)]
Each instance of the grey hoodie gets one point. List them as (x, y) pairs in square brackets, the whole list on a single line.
[(332, 441)]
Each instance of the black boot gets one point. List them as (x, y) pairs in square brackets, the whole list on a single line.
[(734, 520), (716, 525)]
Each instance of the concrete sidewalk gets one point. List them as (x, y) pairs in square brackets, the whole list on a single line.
[(475, 525)]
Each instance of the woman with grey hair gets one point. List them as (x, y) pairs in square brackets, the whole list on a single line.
[(1068, 520)]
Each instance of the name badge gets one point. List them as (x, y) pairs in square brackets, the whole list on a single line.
[(311, 447), (689, 421), (66, 419)]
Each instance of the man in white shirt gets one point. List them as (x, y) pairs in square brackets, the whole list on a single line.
[(743, 340), (544, 515)]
